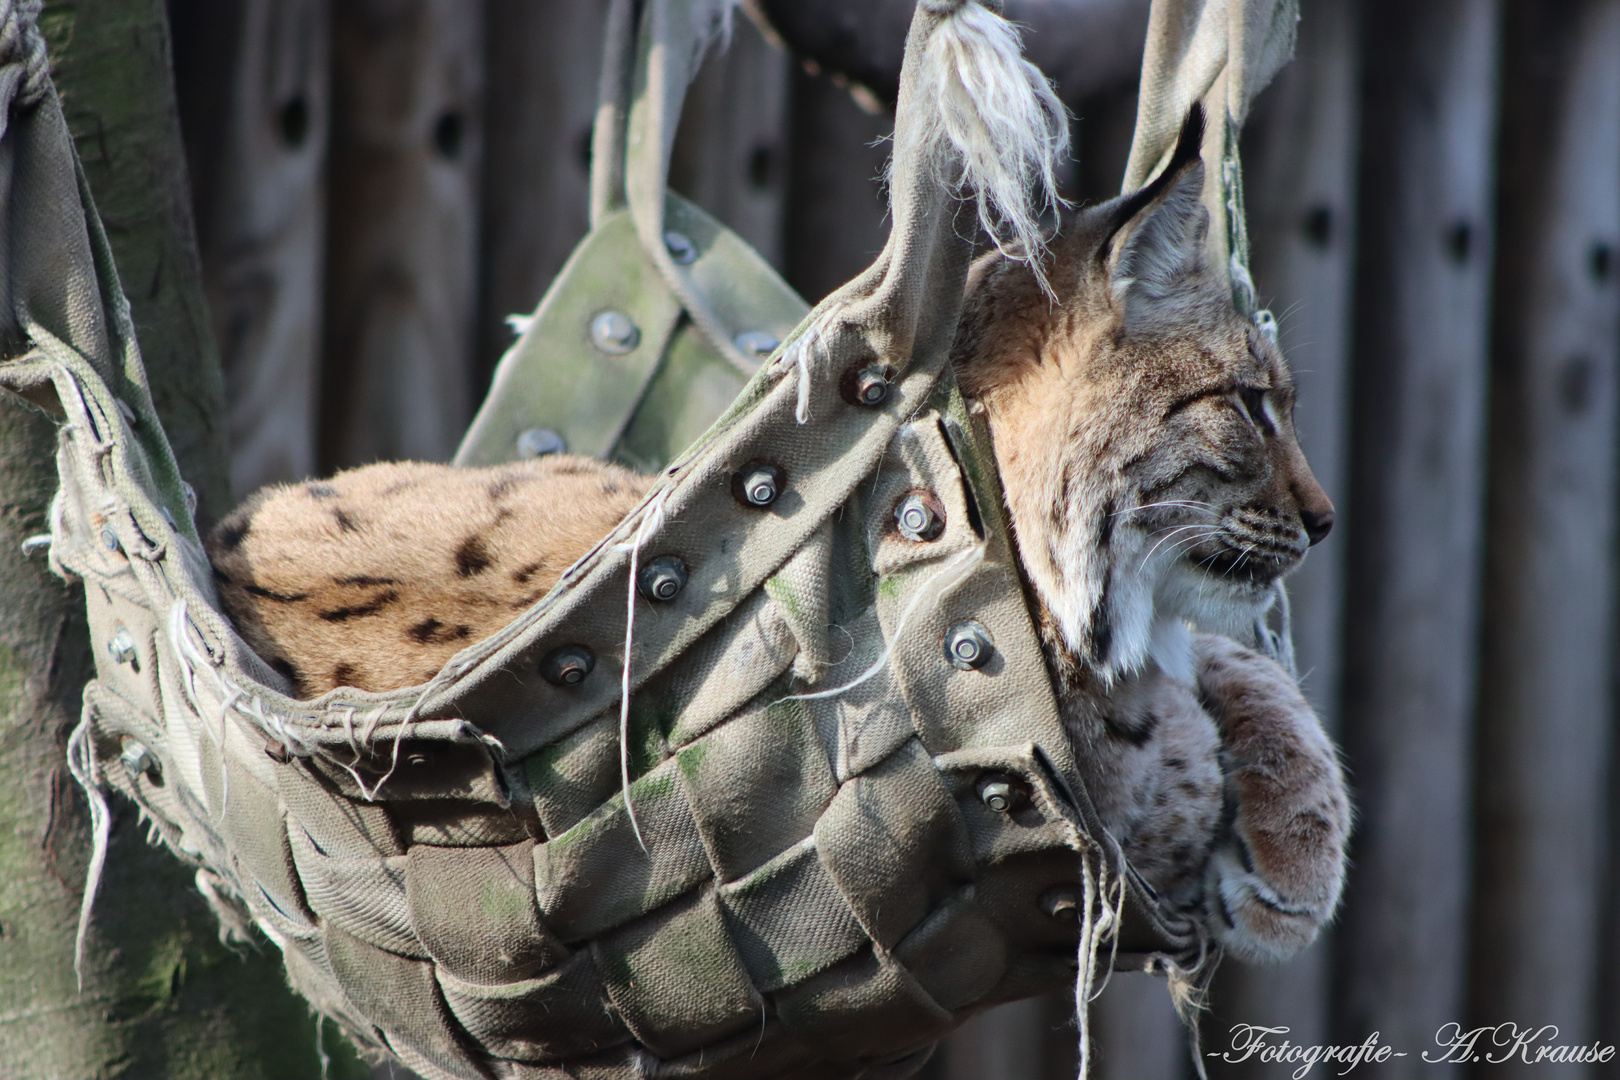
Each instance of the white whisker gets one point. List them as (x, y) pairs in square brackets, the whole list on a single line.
[(1192, 503), (1189, 542), (1168, 534)]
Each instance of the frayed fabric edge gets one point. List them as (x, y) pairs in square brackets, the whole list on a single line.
[(1002, 122)]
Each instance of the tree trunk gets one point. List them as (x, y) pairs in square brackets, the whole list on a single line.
[(111, 65), (1547, 692), (161, 996), (1416, 509)]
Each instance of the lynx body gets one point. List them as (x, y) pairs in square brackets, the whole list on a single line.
[(1144, 436), (377, 577), (1145, 439)]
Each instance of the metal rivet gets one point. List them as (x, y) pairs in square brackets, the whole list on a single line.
[(758, 343), (122, 647), (614, 333), (757, 484), (920, 517), (662, 579), (276, 751), (998, 792), (568, 665), (109, 539), (680, 247), (538, 442), (871, 385), (968, 645), (138, 759), (1062, 904)]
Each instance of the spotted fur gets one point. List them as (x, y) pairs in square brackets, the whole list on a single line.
[(1145, 438), (375, 578)]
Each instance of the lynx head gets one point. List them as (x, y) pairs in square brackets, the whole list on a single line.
[(1144, 428)]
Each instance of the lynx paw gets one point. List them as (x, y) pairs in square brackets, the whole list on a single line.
[(1275, 877)]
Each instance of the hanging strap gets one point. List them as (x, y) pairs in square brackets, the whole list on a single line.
[(662, 313), (1223, 53)]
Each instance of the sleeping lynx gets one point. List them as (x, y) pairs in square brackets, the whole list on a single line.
[(1178, 493)]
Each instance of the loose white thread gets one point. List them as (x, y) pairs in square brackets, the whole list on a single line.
[(651, 522), (955, 570), (797, 355), (320, 1045), (82, 764)]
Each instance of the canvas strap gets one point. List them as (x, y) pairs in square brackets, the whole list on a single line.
[(662, 313)]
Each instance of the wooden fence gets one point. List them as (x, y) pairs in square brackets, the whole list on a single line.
[(1435, 207)]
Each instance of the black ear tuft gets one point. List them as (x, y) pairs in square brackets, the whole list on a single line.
[(1189, 148), (1156, 246), (1190, 144)]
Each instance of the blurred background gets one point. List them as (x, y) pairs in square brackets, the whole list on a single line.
[(1434, 199)]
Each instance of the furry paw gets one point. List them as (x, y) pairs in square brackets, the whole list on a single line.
[(1275, 877)]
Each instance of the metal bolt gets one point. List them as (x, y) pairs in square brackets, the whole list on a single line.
[(758, 343), (662, 579), (758, 485), (122, 647), (871, 385), (920, 517), (681, 248), (138, 759), (109, 539), (1062, 904), (614, 333), (538, 442), (998, 792), (968, 645), (568, 665)]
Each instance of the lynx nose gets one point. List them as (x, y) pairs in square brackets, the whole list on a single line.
[(1317, 523)]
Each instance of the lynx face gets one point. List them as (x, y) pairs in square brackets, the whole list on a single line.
[(1144, 433), (1144, 428)]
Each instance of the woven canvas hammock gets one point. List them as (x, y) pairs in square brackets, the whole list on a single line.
[(852, 817)]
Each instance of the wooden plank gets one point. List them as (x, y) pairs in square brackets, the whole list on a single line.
[(259, 160), (1415, 510), (1005, 1042), (407, 139), (1083, 46), (730, 154), (543, 58), (1135, 1031), (837, 218), (1299, 166), (1546, 683)]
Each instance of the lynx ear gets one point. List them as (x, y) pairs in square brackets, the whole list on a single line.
[(1156, 250)]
